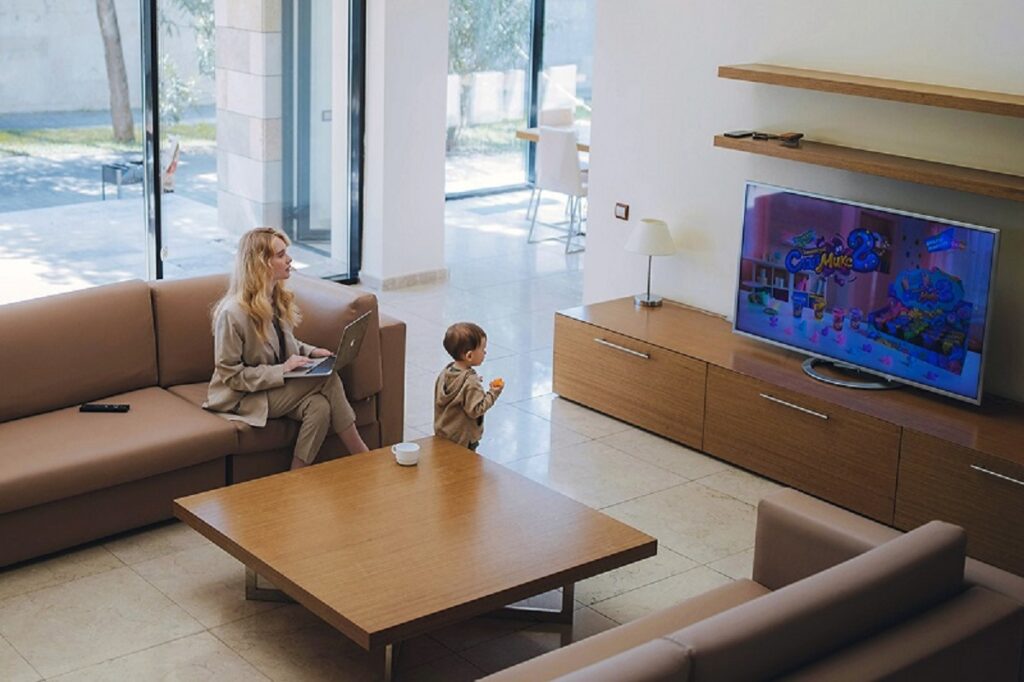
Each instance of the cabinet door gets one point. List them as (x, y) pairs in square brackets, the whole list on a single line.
[(981, 493), (830, 452), (644, 385)]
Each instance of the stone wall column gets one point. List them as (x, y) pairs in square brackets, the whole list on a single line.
[(248, 75)]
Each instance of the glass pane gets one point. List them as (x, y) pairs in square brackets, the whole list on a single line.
[(195, 242), (316, 150), (566, 77), (71, 202), (488, 77)]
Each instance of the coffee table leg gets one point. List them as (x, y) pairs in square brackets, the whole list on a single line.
[(253, 592), (560, 615)]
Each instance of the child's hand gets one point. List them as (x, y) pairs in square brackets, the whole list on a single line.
[(497, 384)]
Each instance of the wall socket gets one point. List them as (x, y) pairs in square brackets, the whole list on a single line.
[(622, 211)]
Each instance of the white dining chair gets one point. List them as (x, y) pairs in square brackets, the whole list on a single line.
[(555, 118), (558, 170)]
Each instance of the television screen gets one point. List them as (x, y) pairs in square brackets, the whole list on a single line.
[(900, 295)]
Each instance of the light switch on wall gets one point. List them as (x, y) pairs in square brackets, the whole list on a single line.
[(622, 211)]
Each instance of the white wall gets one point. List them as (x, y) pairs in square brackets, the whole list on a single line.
[(658, 103), (406, 77), (52, 55)]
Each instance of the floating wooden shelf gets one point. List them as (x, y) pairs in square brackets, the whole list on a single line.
[(988, 183), (1000, 103)]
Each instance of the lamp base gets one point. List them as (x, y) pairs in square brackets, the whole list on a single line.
[(647, 300)]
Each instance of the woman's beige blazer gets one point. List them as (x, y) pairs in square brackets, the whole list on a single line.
[(245, 366)]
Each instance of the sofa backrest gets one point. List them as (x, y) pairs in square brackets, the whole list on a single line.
[(183, 308), (813, 617), (326, 308), (72, 348), (659, 660)]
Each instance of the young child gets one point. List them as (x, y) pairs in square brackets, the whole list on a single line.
[(459, 396)]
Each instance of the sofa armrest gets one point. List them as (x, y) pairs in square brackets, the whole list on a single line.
[(798, 535), (391, 404)]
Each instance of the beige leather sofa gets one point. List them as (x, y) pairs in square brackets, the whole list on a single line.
[(834, 596), (68, 477)]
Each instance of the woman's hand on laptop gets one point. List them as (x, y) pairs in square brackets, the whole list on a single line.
[(320, 353), (296, 362)]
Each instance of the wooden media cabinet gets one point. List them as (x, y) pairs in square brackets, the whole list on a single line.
[(902, 457)]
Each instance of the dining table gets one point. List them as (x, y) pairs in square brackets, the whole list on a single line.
[(582, 135)]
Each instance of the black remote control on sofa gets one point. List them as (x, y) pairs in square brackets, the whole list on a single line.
[(104, 407)]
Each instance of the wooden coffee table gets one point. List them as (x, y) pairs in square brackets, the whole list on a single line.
[(385, 553)]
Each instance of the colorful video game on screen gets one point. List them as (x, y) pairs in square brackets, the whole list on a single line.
[(901, 295)]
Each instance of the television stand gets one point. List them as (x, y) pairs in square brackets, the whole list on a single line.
[(845, 375), (899, 457)]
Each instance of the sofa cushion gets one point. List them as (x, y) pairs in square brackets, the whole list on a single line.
[(278, 433), (659, 660), (72, 348), (183, 312), (976, 635), (819, 614), (59, 454), (183, 309), (595, 649), (326, 308)]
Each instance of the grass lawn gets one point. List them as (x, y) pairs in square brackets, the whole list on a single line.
[(57, 143)]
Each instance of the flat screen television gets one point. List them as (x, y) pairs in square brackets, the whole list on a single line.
[(903, 296)]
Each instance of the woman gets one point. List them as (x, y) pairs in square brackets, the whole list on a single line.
[(254, 347)]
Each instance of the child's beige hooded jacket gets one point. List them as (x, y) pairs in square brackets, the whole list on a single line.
[(459, 405)]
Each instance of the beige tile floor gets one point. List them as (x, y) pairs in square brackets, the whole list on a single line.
[(163, 603)]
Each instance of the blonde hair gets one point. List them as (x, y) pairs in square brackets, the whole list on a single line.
[(248, 285)]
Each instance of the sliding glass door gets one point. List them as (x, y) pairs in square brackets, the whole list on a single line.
[(140, 139), (511, 63), (71, 147), (489, 48), (321, 168)]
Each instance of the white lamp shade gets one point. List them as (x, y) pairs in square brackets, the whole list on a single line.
[(651, 238)]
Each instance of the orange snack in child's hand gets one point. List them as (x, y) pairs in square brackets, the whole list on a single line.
[(498, 383)]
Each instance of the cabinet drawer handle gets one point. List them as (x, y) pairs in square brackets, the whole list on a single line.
[(992, 473), (772, 398), (616, 346)]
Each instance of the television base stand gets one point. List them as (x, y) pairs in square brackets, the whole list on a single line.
[(842, 374)]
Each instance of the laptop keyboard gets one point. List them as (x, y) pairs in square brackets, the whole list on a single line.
[(324, 367)]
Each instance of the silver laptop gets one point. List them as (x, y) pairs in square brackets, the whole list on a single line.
[(348, 349)]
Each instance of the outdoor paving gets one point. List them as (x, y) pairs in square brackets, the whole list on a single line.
[(57, 234), (69, 174), (63, 248), (31, 182)]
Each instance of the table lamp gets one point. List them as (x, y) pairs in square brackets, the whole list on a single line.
[(651, 238)]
